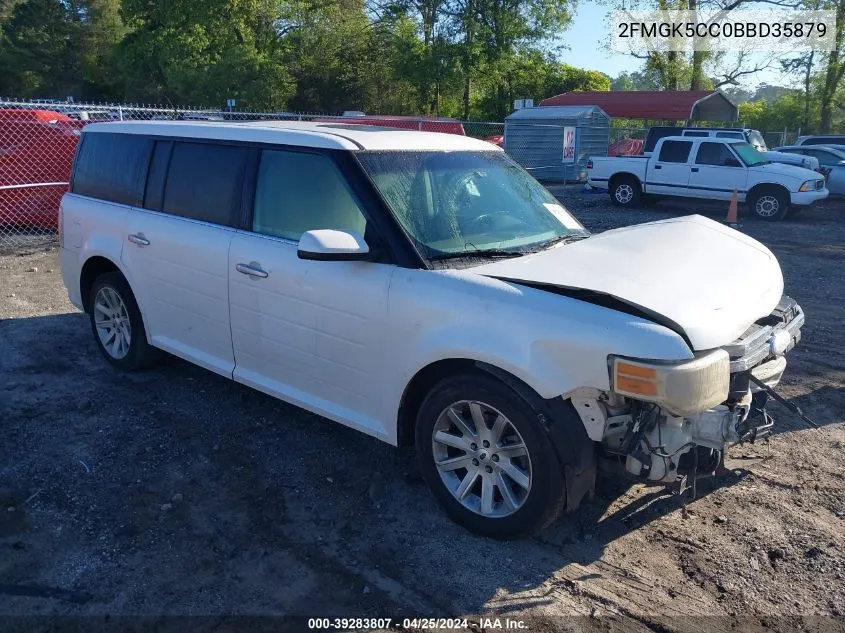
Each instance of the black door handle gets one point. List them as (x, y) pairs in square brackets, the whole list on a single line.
[(693, 168), (658, 166)]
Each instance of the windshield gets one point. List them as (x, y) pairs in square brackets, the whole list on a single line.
[(472, 203), (756, 139), (749, 155)]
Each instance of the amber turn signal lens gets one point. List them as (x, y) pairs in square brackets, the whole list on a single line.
[(636, 371), (634, 385)]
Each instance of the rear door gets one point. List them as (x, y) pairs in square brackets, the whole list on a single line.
[(177, 246), (717, 172), (668, 171)]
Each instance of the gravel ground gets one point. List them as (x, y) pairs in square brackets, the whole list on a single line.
[(176, 492)]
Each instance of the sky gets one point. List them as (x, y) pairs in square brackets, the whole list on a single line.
[(587, 47)]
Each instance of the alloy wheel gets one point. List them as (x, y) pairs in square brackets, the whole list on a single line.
[(767, 206), (481, 458), (624, 193), (111, 319)]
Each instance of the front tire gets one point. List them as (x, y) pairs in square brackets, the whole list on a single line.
[(117, 324), (486, 457), (770, 204), (625, 191)]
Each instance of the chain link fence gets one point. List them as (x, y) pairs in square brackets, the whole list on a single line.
[(38, 140)]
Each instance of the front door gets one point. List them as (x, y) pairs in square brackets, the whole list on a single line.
[(309, 332), (717, 172)]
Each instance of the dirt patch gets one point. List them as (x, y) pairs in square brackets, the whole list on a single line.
[(177, 492)]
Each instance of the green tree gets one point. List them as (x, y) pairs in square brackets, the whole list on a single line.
[(102, 31), (40, 56), (203, 52)]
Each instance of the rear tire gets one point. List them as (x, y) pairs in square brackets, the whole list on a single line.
[(117, 324), (509, 488), (769, 204), (626, 191)]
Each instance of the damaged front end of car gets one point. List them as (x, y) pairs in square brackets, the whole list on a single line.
[(671, 422)]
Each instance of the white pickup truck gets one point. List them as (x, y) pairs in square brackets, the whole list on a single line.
[(708, 168)]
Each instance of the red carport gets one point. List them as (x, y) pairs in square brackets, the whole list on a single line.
[(688, 105)]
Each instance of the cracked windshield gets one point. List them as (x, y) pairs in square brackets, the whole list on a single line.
[(455, 204)]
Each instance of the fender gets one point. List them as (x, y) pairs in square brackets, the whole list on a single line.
[(567, 434), (551, 343)]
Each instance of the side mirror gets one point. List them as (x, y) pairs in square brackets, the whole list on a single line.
[(333, 246), (732, 162)]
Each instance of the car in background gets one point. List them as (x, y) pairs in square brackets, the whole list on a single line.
[(36, 154), (821, 139), (752, 137), (831, 163)]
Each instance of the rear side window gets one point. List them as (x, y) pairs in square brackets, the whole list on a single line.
[(112, 167), (675, 151), (204, 182)]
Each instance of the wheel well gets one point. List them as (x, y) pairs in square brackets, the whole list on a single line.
[(766, 186), (418, 388), (623, 176), (92, 269), (428, 376)]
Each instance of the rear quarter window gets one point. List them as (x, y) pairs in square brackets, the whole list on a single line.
[(112, 167)]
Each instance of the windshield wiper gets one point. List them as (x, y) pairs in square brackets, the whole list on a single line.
[(561, 239), (491, 253)]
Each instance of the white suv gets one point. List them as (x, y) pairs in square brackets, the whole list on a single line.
[(424, 289)]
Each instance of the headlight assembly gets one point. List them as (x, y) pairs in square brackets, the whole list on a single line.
[(682, 387)]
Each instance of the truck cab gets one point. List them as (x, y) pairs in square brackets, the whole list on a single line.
[(708, 168)]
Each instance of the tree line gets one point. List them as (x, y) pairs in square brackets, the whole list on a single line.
[(462, 58)]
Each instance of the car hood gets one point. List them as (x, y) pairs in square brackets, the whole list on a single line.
[(790, 171), (706, 281)]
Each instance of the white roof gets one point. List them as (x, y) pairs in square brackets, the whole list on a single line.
[(328, 135)]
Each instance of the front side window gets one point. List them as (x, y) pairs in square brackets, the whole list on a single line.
[(714, 154), (675, 151), (466, 202), (297, 192)]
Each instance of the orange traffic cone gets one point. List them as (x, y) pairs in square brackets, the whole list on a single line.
[(733, 211)]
